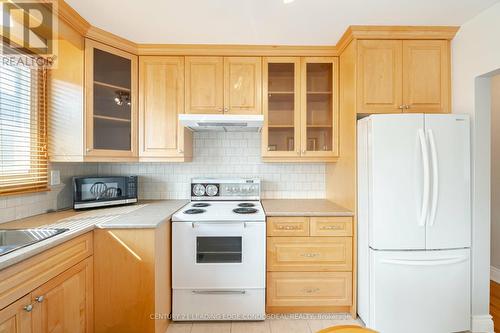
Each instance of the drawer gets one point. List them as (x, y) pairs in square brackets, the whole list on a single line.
[(309, 289), (288, 226), (331, 226), (309, 254)]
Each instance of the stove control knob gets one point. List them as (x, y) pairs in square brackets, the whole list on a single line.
[(212, 190), (199, 190)]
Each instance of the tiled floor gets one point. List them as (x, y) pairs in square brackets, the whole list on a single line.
[(290, 324)]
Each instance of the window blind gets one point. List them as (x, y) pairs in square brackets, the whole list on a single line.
[(23, 129)]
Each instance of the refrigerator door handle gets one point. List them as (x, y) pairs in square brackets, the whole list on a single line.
[(425, 162), (435, 178), (431, 262)]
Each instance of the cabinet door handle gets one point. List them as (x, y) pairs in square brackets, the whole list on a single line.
[(310, 255), (298, 152), (407, 106), (288, 227), (311, 290), (331, 227), (304, 152), (226, 109), (220, 109), (401, 107), (180, 151), (39, 299), (28, 308)]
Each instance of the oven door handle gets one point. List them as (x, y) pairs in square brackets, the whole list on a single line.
[(193, 224), (219, 292)]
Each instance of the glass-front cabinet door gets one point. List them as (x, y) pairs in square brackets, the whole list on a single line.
[(281, 90), (111, 103), (319, 116)]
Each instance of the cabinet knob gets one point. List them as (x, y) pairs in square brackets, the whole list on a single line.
[(39, 299), (220, 109), (28, 308), (401, 107), (226, 109), (180, 151), (88, 150), (407, 106), (304, 152), (298, 152)]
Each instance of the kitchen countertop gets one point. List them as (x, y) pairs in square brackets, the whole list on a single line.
[(145, 215), (303, 207)]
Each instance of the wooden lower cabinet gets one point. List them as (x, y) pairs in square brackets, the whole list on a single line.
[(64, 304), (15, 318), (315, 254), (309, 289), (51, 291), (309, 264), (132, 280)]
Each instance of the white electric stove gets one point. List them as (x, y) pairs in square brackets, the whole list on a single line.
[(219, 252)]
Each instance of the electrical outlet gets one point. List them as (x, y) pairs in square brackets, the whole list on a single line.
[(55, 177)]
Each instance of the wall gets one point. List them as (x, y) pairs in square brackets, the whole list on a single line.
[(224, 155), (15, 207), (495, 171), (476, 53)]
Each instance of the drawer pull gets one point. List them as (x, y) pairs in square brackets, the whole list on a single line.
[(331, 227), (310, 255), (311, 290), (289, 227)]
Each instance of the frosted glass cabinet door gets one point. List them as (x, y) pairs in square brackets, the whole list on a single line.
[(319, 107), (111, 112), (281, 132)]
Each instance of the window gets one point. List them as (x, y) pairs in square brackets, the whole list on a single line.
[(23, 129)]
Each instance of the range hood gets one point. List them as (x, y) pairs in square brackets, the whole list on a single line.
[(222, 123)]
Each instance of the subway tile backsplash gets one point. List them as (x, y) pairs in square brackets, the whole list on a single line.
[(216, 154), (220, 154)]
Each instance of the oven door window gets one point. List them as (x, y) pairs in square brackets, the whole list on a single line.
[(212, 250)]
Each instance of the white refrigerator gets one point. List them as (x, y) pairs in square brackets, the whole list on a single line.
[(414, 223)]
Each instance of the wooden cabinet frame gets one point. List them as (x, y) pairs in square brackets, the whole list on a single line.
[(300, 153), (334, 103), (296, 111), (92, 154)]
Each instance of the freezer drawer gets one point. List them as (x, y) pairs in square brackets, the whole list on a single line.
[(419, 291)]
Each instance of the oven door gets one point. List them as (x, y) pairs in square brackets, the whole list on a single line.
[(217, 255)]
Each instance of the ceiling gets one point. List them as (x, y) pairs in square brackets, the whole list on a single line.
[(263, 22)]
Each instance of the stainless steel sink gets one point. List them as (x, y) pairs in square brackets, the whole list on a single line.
[(11, 240)]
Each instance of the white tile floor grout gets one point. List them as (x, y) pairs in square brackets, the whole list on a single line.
[(293, 323)]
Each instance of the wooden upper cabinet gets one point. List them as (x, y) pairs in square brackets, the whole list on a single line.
[(161, 100), (16, 318), (319, 115), (64, 304), (242, 85), (204, 85), (426, 76), (379, 80), (111, 102), (403, 76), (281, 90)]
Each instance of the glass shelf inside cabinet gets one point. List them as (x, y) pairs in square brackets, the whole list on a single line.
[(112, 101), (281, 107), (319, 106)]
